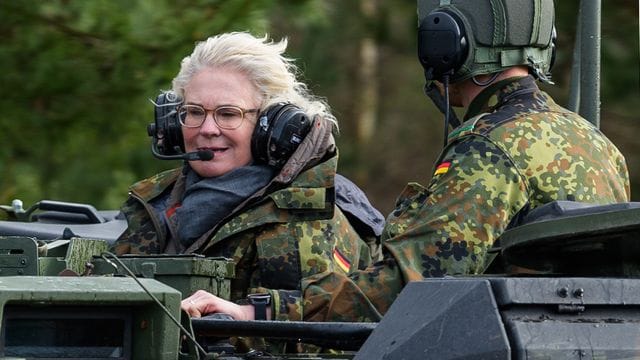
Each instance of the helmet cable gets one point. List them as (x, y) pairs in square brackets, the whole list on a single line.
[(485, 83), (445, 82)]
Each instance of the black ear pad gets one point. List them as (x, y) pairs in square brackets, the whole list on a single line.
[(166, 130), (279, 130), (442, 44)]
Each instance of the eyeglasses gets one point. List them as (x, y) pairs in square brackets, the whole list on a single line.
[(226, 117)]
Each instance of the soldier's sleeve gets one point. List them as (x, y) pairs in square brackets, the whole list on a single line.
[(290, 252), (363, 295), (444, 229)]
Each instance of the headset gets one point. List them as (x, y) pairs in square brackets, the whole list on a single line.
[(279, 130), (442, 44), (442, 49), (449, 50), (278, 133), (461, 39)]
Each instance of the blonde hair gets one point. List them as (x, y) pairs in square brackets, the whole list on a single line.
[(262, 60)]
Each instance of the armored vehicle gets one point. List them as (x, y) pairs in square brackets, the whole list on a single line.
[(64, 296)]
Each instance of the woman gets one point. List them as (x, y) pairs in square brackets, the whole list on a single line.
[(277, 220)]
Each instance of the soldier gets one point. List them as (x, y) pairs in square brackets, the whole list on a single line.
[(516, 150), (259, 185)]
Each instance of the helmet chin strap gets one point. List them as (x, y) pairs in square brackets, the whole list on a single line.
[(442, 103)]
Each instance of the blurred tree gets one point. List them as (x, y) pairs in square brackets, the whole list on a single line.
[(78, 76)]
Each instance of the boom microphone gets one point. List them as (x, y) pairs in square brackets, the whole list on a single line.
[(203, 155)]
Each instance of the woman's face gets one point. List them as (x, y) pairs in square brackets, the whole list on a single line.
[(211, 88)]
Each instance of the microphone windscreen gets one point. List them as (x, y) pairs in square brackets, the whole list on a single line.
[(205, 155)]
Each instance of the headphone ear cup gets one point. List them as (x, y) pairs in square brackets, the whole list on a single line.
[(442, 44), (166, 130), (174, 133), (278, 132)]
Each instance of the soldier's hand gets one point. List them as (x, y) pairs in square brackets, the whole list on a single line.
[(202, 303)]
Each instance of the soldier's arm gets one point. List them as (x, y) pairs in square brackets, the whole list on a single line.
[(475, 192), (445, 229), (332, 247)]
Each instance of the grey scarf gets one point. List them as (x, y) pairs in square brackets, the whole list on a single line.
[(207, 201)]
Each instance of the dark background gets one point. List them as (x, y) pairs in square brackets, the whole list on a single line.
[(77, 77)]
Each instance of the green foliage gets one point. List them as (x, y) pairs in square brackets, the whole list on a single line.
[(78, 75)]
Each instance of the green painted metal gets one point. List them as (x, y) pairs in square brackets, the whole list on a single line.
[(184, 273), (153, 334), (18, 256), (95, 289)]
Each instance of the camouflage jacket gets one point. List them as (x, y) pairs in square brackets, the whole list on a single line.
[(517, 150), (290, 232)]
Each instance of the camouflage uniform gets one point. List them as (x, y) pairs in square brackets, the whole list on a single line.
[(292, 231), (517, 150)]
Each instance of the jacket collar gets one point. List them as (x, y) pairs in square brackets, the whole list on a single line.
[(150, 188), (494, 95)]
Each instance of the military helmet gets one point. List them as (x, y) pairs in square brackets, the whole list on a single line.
[(465, 38)]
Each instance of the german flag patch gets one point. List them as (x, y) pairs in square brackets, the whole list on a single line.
[(442, 168), (341, 260)]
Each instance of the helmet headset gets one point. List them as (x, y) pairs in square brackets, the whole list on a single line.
[(279, 130), (461, 39)]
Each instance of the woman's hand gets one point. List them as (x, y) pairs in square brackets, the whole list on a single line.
[(202, 303)]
